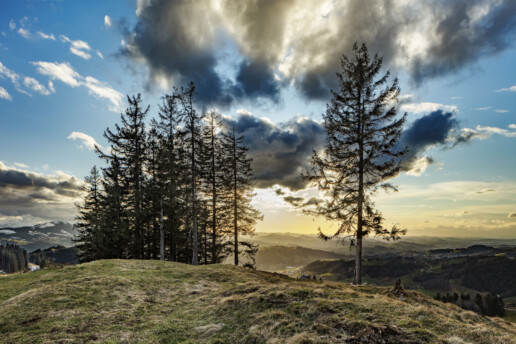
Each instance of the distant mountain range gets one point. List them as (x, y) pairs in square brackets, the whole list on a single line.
[(41, 236)]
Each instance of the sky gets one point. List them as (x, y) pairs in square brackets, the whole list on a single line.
[(268, 68)]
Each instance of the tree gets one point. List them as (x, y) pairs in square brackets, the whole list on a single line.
[(89, 219), (360, 154), (239, 182)]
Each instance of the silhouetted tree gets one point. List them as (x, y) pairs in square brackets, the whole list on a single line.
[(360, 154), (240, 183)]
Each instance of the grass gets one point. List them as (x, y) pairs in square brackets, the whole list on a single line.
[(129, 301)]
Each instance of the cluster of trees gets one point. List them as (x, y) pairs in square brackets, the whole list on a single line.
[(487, 304), (12, 258), (180, 189), (58, 254)]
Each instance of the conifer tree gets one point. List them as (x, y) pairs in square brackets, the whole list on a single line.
[(128, 142), (239, 182), (89, 219), (360, 154)]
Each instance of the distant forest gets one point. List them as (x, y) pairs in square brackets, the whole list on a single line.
[(178, 187), (13, 258)]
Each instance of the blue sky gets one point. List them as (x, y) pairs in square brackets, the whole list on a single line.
[(67, 66)]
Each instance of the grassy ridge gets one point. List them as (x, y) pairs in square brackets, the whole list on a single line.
[(127, 301)]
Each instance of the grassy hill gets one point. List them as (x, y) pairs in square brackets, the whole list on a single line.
[(128, 301)]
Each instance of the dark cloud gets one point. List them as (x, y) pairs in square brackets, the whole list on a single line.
[(280, 152), (511, 216), (24, 193), (303, 41), (312, 201), (176, 40), (295, 201)]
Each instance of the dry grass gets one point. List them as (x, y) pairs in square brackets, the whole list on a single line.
[(127, 301)]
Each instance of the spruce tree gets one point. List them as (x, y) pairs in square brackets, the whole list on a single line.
[(360, 154), (240, 183)]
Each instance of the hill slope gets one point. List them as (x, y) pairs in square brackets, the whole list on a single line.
[(126, 301)]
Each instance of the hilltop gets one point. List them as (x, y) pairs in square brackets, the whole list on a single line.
[(126, 301)]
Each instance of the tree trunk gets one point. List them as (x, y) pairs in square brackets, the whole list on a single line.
[(358, 258), (195, 251), (161, 233), (214, 201), (235, 208)]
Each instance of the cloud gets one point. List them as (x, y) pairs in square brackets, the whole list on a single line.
[(14, 77), (485, 190), (107, 21), (24, 33), (302, 41), (45, 36), (99, 54), (65, 73), (488, 131), (12, 25), (509, 89), (280, 151), (77, 47), (511, 216), (34, 85), (482, 108), (501, 111), (103, 90), (295, 201), (59, 71), (426, 107), (4, 94), (25, 193), (86, 140)]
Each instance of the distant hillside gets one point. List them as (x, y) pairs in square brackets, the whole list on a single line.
[(128, 301), (275, 258), (40, 236), (56, 254)]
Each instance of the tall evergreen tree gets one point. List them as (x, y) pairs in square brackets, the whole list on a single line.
[(240, 183), (128, 142), (213, 185), (192, 122), (360, 153), (89, 220)]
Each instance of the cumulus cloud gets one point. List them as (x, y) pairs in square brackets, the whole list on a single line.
[(107, 21), (34, 85), (46, 36), (86, 140), (302, 41), (26, 193), (4, 94), (280, 151), (77, 47), (65, 73)]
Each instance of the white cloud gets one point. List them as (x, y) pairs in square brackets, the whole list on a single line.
[(419, 167), (51, 86), (24, 33), (45, 36), (512, 126), (508, 89), (14, 77), (498, 131), (456, 98), (103, 90), (427, 107), (107, 21), (34, 85), (482, 108), (59, 71), (4, 94), (501, 111), (20, 165), (80, 53), (12, 25), (86, 140), (77, 47), (99, 54), (65, 73)]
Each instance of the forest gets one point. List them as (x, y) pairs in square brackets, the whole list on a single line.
[(12, 258), (179, 189)]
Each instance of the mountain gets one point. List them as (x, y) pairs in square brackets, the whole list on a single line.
[(129, 301), (276, 258), (40, 236)]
